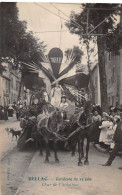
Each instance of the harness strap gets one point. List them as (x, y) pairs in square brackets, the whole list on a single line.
[(62, 138), (74, 132), (77, 130)]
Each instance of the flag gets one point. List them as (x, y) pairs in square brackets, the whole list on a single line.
[(68, 94)]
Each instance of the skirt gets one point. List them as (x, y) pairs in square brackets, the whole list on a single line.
[(96, 133)]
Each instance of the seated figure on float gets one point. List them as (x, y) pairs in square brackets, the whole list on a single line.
[(62, 106)]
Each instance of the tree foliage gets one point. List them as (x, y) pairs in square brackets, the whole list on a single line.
[(77, 52), (17, 44), (97, 13), (92, 15)]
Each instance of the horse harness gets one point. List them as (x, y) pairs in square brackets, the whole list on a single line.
[(81, 126)]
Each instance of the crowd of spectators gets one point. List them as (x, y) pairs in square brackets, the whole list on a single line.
[(8, 111), (106, 124)]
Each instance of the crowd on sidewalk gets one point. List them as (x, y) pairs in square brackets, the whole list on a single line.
[(108, 131), (105, 124), (8, 111)]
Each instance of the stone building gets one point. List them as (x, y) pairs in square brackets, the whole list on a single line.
[(114, 77), (9, 86), (5, 87), (94, 88), (113, 66)]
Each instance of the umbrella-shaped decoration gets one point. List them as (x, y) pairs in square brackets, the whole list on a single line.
[(51, 65), (55, 56)]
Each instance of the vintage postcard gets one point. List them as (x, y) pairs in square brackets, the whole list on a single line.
[(60, 98)]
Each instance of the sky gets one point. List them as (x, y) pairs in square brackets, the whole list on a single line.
[(40, 21)]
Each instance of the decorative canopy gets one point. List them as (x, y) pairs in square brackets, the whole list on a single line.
[(50, 66)]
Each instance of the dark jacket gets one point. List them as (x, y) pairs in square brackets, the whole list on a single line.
[(118, 133)]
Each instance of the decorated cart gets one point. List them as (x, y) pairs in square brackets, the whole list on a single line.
[(44, 99)]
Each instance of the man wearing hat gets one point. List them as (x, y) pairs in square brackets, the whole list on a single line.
[(118, 142)]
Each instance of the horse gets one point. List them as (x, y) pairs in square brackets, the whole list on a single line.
[(81, 128), (29, 132), (28, 123), (48, 126)]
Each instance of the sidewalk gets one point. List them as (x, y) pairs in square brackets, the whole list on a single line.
[(6, 143)]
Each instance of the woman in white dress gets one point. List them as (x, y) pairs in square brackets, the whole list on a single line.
[(104, 127), (109, 133), (63, 105)]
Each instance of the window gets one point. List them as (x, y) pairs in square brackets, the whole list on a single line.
[(17, 85), (12, 82), (109, 55), (113, 74), (6, 87), (95, 81), (112, 100), (111, 79), (109, 100), (9, 86), (3, 85)]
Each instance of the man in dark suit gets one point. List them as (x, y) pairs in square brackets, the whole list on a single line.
[(118, 142)]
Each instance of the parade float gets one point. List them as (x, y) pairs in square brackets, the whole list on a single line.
[(49, 80)]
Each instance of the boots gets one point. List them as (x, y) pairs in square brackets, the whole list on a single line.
[(108, 163)]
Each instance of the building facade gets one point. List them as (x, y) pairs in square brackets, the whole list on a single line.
[(113, 67), (5, 86), (9, 86)]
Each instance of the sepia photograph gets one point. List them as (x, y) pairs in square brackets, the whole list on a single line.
[(60, 98)]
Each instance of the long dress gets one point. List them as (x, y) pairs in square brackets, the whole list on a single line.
[(97, 130), (5, 113), (56, 96), (109, 134), (104, 128)]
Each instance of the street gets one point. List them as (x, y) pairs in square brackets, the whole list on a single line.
[(26, 173), (6, 143)]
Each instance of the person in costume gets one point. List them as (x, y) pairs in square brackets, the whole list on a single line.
[(63, 105)]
